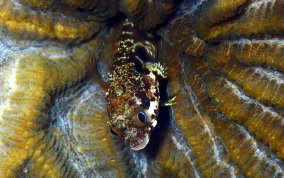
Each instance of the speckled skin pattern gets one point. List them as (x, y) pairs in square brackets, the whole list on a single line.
[(134, 87), (224, 61)]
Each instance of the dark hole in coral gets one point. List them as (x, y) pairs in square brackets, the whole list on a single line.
[(169, 1), (138, 65)]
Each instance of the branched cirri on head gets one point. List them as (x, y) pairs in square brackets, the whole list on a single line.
[(133, 93)]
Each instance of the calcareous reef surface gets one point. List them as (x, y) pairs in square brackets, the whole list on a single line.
[(225, 64)]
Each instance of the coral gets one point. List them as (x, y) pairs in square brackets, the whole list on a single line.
[(224, 61), (258, 18), (32, 78), (194, 125), (91, 134), (101, 9), (246, 155), (140, 11), (248, 52), (262, 84), (41, 4), (184, 39), (259, 119), (24, 23), (166, 163)]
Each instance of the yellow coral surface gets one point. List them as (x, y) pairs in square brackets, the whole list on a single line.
[(224, 60)]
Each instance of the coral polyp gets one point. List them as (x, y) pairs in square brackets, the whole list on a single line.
[(224, 61)]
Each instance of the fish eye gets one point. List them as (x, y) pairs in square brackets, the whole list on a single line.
[(113, 132), (142, 116)]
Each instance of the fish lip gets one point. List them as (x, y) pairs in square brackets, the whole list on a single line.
[(141, 145)]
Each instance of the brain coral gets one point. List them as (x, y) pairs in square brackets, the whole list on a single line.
[(225, 62)]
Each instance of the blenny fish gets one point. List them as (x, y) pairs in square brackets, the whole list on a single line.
[(133, 95)]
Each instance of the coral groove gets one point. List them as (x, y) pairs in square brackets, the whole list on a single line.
[(260, 120), (243, 150), (140, 11), (265, 85), (248, 52), (258, 18), (101, 9)]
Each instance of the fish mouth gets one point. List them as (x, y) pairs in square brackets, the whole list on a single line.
[(140, 144)]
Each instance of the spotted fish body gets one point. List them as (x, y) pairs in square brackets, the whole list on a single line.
[(133, 94)]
